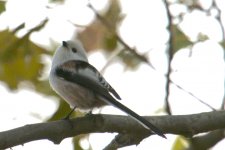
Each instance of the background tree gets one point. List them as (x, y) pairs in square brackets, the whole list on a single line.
[(190, 49)]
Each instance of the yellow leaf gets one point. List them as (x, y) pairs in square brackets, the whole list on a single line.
[(179, 144)]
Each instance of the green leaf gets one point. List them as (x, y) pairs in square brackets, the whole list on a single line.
[(61, 112), (222, 43), (76, 142), (2, 6), (180, 39), (131, 60), (113, 14), (20, 59), (202, 37), (44, 87), (179, 144), (110, 42)]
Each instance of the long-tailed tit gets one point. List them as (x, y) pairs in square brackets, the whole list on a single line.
[(82, 86)]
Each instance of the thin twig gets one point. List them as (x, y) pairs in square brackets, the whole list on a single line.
[(126, 46), (170, 56), (119, 39), (219, 19), (190, 93)]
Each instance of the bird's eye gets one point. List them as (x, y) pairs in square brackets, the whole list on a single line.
[(74, 50)]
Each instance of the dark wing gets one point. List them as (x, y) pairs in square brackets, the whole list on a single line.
[(85, 75)]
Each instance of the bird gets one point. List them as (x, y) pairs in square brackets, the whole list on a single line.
[(82, 86)]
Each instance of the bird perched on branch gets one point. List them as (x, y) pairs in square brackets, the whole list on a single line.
[(82, 86)]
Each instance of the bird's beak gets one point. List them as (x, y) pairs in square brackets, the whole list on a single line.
[(65, 44)]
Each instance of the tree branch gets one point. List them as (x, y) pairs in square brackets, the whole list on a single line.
[(207, 141), (56, 131), (122, 140)]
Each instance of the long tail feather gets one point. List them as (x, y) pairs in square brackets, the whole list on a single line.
[(135, 116)]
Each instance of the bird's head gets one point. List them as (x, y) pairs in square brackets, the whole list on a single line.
[(69, 50)]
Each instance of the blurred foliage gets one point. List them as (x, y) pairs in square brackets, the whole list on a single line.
[(179, 144), (191, 4), (43, 86), (61, 112), (76, 142), (180, 40), (96, 35), (56, 1), (102, 34), (20, 59), (129, 59), (222, 43), (2, 6)]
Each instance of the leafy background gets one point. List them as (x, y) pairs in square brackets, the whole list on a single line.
[(21, 59)]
